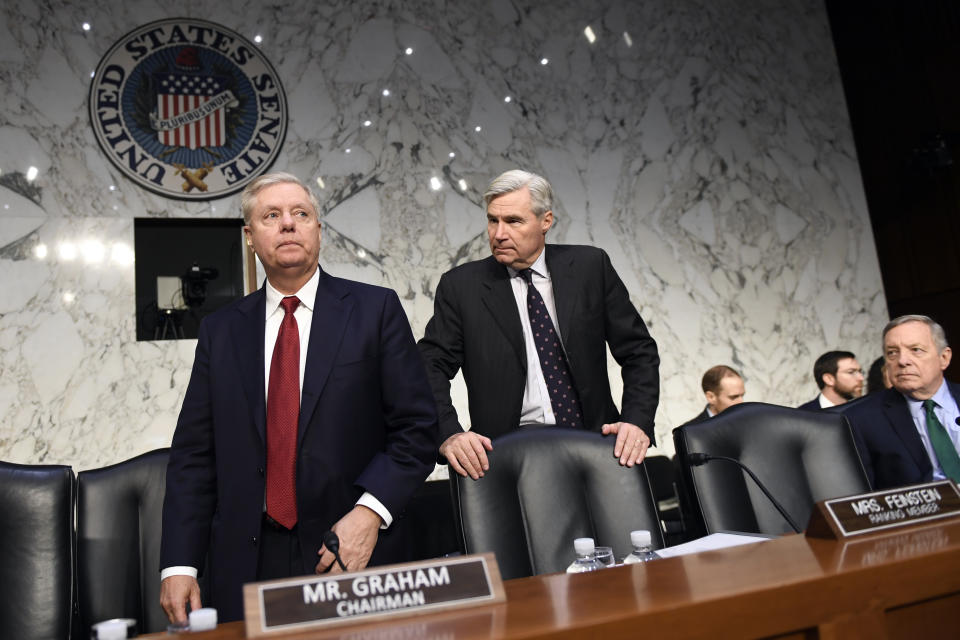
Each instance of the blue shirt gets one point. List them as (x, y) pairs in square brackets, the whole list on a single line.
[(947, 413)]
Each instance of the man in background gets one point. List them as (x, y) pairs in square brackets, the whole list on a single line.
[(722, 387), (839, 377)]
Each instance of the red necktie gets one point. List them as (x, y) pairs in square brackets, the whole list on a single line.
[(283, 413)]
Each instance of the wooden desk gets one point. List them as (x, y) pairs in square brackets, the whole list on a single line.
[(899, 585)]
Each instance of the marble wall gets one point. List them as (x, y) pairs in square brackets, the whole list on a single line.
[(704, 144)]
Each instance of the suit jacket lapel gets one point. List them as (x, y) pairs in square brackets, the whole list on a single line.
[(250, 332), (331, 311), (903, 425), (563, 278), (497, 296)]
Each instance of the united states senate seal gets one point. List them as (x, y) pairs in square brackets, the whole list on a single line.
[(188, 109)]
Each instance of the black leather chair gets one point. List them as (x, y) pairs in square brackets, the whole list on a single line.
[(546, 487), (36, 551), (802, 457), (118, 542)]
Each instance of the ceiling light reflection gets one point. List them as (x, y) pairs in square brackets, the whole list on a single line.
[(435, 183), (627, 39), (258, 38), (67, 251), (40, 251), (321, 183), (367, 123), (591, 36), (408, 51), (508, 99), (93, 251), (478, 128), (86, 26), (462, 184), (122, 254), (544, 61), (386, 92), (32, 173), (69, 297)]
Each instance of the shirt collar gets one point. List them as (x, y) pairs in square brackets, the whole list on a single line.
[(539, 266), (940, 397), (307, 294)]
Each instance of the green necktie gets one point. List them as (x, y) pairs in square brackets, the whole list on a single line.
[(942, 446)]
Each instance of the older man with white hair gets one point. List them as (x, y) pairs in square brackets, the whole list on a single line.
[(910, 433)]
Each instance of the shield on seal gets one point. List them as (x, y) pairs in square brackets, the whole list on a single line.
[(191, 106)]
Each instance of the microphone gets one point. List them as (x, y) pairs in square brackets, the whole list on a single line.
[(697, 459), (332, 543)]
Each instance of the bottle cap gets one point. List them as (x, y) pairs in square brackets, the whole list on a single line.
[(583, 546), (115, 629), (203, 619), (640, 538)]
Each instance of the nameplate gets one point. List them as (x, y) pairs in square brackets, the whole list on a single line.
[(398, 590), (881, 510)]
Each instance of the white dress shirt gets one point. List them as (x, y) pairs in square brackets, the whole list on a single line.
[(536, 408)]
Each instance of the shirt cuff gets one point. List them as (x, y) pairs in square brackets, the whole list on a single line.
[(367, 500), (178, 571)]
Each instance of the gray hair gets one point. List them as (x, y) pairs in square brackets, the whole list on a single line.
[(939, 335), (251, 191), (541, 194)]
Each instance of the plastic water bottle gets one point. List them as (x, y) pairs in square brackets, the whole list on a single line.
[(585, 560), (642, 548)]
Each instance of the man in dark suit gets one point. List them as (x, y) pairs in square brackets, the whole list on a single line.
[(308, 410), (529, 327), (909, 433), (839, 377), (722, 387)]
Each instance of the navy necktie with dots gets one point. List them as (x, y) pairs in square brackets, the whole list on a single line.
[(553, 362)]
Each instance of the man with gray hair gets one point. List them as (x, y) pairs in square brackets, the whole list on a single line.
[(910, 433), (308, 412), (529, 327)]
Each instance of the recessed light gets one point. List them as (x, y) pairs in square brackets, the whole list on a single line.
[(478, 128), (591, 36), (408, 51), (86, 26), (544, 61), (435, 183), (463, 184), (385, 92), (367, 123), (258, 38), (32, 173)]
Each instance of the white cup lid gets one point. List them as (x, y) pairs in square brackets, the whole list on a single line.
[(203, 619)]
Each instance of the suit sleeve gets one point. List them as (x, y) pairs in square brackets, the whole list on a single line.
[(191, 491), (634, 350), (442, 350), (409, 415)]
